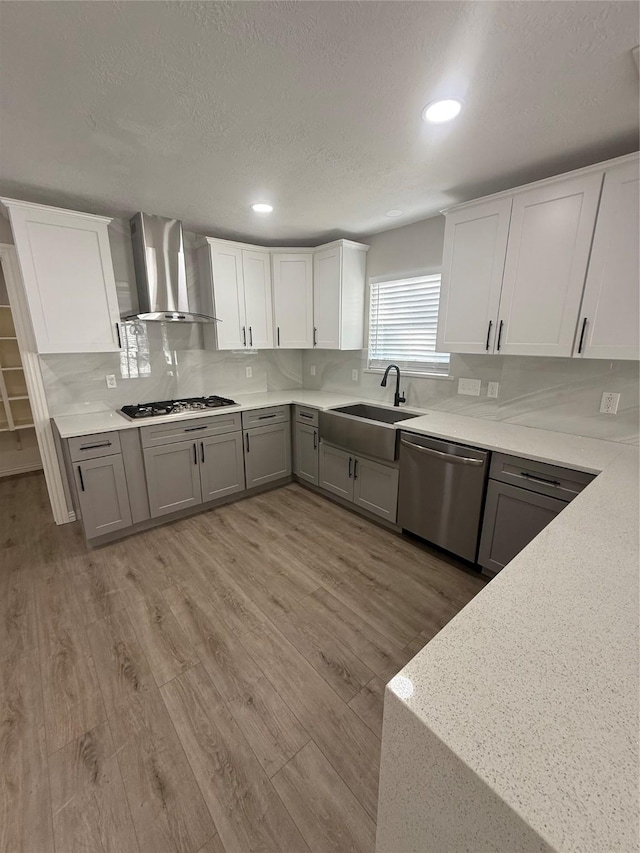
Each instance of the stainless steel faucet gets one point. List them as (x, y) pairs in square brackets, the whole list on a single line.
[(397, 399)]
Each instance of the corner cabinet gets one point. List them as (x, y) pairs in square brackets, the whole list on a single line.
[(293, 299), (65, 260), (549, 269), (608, 326), (338, 296)]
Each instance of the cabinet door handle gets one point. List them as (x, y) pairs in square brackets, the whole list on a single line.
[(118, 334), (499, 335), (489, 334), (244, 337), (355, 470), (202, 451), (315, 440), (278, 331), (315, 336), (540, 479), (247, 440), (195, 454), (584, 329), (350, 464), (81, 478), (250, 337)]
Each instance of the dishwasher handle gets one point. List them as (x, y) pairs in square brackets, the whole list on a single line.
[(446, 457)]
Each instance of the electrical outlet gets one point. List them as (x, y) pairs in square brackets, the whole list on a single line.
[(469, 386), (354, 374), (111, 380), (609, 403), (312, 370), (493, 389), (249, 372)]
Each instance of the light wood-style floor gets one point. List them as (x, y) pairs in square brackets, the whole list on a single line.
[(214, 685)]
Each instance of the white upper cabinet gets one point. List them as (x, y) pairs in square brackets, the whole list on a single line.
[(475, 247), (548, 269), (256, 268), (338, 296), (608, 326), (547, 255), (237, 285), (65, 259), (293, 299)]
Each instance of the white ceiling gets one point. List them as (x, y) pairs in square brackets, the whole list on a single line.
[(194, 110)]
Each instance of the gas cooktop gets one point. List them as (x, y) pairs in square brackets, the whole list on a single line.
[(175, 407)]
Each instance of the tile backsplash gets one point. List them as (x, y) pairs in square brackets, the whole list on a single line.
[(163, 362), (561, 394)]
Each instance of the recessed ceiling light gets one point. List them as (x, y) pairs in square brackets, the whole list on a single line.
[(438, 112), (394, 212), (262, 207)]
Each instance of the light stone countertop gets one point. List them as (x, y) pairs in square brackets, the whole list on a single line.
[(534, 684)]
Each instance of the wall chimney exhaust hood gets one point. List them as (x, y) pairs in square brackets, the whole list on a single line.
[(161, 272)]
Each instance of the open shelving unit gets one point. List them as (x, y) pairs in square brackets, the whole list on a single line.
[(15, 410)]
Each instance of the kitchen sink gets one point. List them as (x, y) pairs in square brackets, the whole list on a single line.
[(364, 428)]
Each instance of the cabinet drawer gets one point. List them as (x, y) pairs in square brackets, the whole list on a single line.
[(264, 417), (156, 434), (94, 446), (304, 415), (561, 483)]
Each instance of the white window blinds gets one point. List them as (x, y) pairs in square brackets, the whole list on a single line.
[(402, 325)]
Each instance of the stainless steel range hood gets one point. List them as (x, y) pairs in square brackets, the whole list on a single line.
[(161, 272)]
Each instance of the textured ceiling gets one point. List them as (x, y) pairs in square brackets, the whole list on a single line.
[(194, 110)]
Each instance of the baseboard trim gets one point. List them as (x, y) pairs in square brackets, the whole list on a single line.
[(21, 469)]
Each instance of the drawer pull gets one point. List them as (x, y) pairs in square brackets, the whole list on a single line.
[(305, 415), (81, 478), (96, 446), (540, 479), (194, 429), (266, 417)]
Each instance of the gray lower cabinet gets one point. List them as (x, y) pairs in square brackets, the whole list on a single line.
[(267, 453), (101, 487), (375, 487), (306, 453), (336, 471), (368, 484), (173, 477), (221, 466), (513, 517)]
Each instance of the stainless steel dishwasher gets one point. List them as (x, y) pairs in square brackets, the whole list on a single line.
[(442, 488)]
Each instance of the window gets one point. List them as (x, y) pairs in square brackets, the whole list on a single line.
[(403, 318)]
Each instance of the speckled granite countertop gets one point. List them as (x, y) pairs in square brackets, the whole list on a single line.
[(533, 689), (533, 686)]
